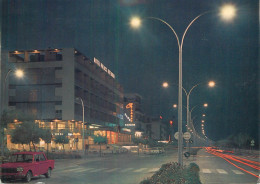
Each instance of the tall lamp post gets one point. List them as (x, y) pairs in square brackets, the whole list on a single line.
[(210, 84), (83, 132), (227, 12), (19, 74)]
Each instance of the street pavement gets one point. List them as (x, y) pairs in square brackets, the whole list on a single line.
[(131, 168), (215, 170)]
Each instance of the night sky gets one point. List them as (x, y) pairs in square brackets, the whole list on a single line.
[(142, 59)]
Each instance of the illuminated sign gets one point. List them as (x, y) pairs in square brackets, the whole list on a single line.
[(126, 129), (97, 62), (129, 124), (130, 106), (127, 117)]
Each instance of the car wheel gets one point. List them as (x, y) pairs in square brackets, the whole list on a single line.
[(48, 174), (28, 176)]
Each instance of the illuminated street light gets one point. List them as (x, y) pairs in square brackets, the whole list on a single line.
[(19, 74), (227, 12), (211, 84), (205, 105), (175, 106), (135, 22), (202, 121), (203, 115), (83, 124), (165, 85)]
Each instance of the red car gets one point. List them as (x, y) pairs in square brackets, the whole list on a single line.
[(25, 165)]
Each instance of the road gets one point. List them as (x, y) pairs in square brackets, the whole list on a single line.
[(216, 170), (131, 169)]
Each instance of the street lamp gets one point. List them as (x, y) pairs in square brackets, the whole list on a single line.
[(19, 74), (165, 84), (210, 84), (227, 12), (83, 133), (136, 22)]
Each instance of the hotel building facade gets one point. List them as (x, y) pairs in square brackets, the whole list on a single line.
[(55, 81)]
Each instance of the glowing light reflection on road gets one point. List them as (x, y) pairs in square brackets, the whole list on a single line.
[(228, 158)]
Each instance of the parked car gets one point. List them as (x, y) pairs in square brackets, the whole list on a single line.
[(25, 165)]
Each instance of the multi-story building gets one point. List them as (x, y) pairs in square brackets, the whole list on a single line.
[(55, 82)]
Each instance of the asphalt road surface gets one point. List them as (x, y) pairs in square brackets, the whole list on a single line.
[(131, 169)]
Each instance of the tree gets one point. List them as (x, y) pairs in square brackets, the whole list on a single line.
[(62, 139), (26, 133), (242, 139), (98, 139), (47, 136), (7, 117), (18, 136)]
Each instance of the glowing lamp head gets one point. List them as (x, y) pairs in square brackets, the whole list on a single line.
[(211, 84), (165, 85), (135, 22), (19, 73), (227, 12), (205, 105), (174, 105)]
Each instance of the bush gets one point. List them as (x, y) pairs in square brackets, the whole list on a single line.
[(173, 173)]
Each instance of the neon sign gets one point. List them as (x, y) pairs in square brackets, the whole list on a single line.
[(130, 106)]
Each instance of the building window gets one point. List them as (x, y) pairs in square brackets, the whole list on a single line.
[(33, 96)]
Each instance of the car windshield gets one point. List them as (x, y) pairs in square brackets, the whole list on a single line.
[(21, 158)]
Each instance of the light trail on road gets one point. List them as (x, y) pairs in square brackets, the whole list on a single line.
[(230, 158)]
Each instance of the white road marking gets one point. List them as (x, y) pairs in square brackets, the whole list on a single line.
[(111, 170), (97, 170), (127, 169), (86, 169), (76, 169), (140, 170), (237, 172), (154, 170), (206, 171), (221, 171)]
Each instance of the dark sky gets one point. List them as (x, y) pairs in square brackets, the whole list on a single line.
[(142, 59)]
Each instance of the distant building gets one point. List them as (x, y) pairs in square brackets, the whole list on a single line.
[(140, 124), (54, 81), (156, 129), (134, 116)]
